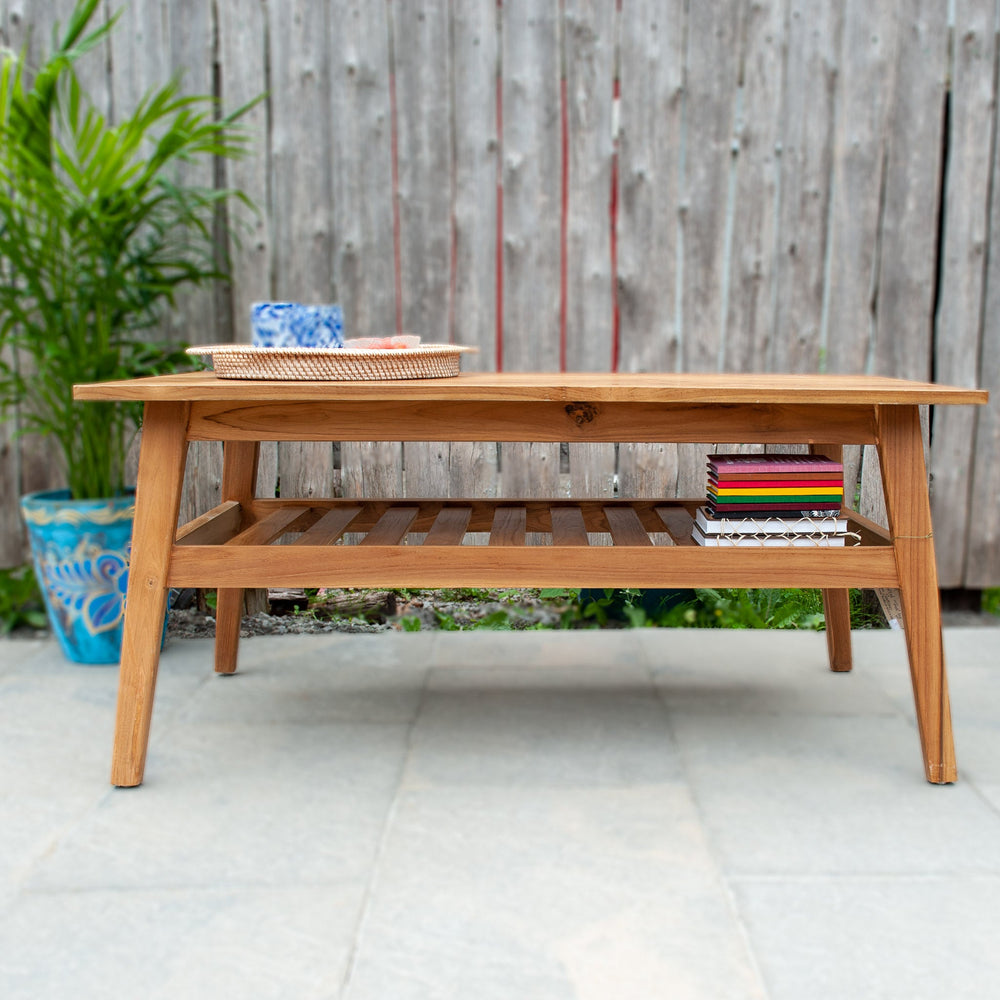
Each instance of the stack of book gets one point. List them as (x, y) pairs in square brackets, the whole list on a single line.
[(772, 500)]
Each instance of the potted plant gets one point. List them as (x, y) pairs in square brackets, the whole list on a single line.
[(96, 235)]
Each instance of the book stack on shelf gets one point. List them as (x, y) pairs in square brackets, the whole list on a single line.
[(772, 500)]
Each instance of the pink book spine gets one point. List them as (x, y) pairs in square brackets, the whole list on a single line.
[(755, 463)]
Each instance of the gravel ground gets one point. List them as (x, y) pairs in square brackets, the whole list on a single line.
[(433, 610)]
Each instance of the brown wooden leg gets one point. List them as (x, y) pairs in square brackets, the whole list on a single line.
[(904, 475), (228, 616), (836, 603), (239, 483), (837, 609), (158, 496)]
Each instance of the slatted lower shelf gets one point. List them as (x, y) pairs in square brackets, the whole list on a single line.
[(510, 543)]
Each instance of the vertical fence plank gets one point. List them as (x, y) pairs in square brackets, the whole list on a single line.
[(651, 64), (864, 101), (243, 45), (711, 68), (589, 62), (531, 186), (532, 221), (475, 57), (749, 323), (302, 146), (812, 47), (361, 169), (711, 74), (203, 313), (983, 536), (904, 307), (864, 98), (960, 320), (651, 61), (475, 160), (424, 151)]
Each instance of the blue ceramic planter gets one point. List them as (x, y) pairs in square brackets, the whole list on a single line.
[(80, 550)]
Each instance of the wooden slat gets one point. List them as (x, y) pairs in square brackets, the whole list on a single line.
[(267, 530), (679, 524), (508, 526), (329, 527), (449, 526), (392, 527), (626, 528), (568, 527), (214, 527)]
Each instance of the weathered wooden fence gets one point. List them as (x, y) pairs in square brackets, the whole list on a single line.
[(750, 185)]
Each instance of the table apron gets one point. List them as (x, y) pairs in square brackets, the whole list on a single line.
[(447, 420), (543, 566)]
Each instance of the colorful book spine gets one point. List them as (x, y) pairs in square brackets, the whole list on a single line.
[(773, 484)]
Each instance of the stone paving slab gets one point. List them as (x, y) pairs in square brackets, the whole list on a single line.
[(582, 815)]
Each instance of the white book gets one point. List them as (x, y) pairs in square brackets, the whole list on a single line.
[(769, 525), (767, 541)]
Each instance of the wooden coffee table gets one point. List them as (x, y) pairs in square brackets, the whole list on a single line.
[(362, 543)]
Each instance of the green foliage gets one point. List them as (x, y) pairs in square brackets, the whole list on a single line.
[(20, 600), (991, 600), (738, 608), (96, 236), (710, 608)]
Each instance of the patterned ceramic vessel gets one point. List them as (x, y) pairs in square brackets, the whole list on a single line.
[(80, 549), (292, 324)]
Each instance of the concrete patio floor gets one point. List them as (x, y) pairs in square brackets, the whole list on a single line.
[(596, 815)]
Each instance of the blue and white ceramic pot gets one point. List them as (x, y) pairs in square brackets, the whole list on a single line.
[(80, 550), (293, 324)]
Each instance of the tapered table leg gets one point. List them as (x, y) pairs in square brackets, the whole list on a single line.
[(837, 611), (239, 483), (904, 477), (836, 603), (157, 504)]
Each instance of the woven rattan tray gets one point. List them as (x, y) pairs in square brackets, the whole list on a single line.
[(315, 364)]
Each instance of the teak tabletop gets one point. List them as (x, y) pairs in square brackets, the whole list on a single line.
[(556, 387), (418, 542)]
